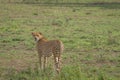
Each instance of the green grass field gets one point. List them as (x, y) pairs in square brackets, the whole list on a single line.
[(90, 32)]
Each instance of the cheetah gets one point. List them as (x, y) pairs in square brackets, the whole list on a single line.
[(47, 48)]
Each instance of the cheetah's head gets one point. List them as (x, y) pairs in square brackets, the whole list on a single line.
[(37, 35)]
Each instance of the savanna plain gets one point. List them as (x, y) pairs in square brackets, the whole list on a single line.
[(90, 31)]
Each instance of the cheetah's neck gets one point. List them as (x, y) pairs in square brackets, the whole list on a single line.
[(42, 40)]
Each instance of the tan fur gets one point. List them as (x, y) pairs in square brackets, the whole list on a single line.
[(47, 48)]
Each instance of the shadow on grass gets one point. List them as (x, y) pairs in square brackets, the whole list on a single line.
[(104, 5)]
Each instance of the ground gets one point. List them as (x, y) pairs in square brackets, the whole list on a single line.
[(90, 33)]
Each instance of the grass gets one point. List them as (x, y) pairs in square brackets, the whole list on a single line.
[(90, 33)]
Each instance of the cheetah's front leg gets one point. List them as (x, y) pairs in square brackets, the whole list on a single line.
[(57, 64), (40, 61), (45, 62)]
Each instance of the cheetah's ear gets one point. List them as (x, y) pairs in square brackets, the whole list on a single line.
[(40, 33)]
